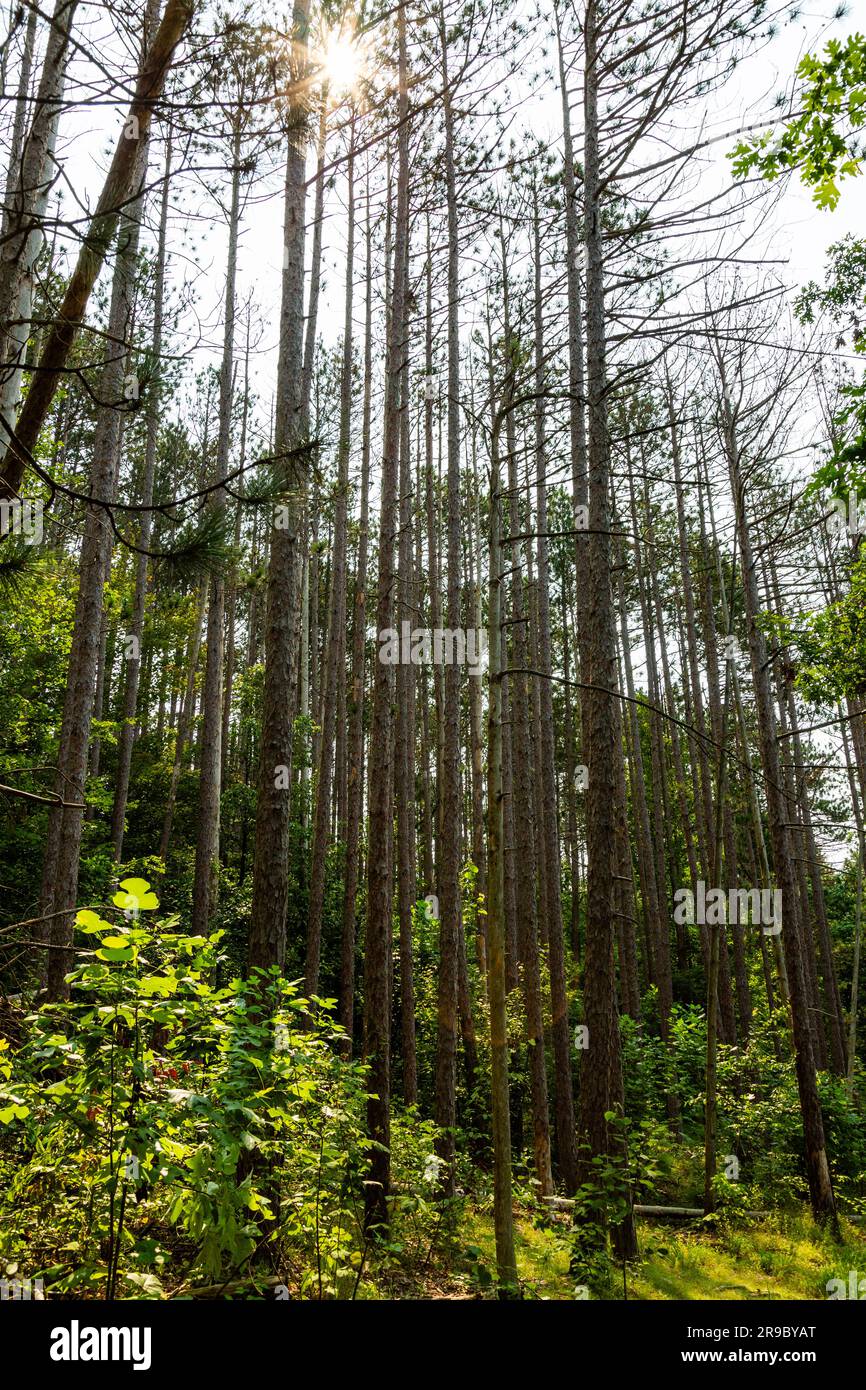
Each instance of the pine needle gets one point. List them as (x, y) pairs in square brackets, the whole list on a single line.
[(20, 560), (201, 547)]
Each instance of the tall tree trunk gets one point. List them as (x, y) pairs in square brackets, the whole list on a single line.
[(518, 691), (377, 961), (817, 1167), (62, 866), (449, 859), (206, 882), (267, 945), (332, 672), (119, 182), (133, 669), (601, 1074), (476, 730), (19, 120), (549, 837), (497, 980), (404, 747), (32, 174), (356, 704)]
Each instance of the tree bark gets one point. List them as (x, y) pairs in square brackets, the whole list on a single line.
[(117, 189), (377, 961), (267, 946)]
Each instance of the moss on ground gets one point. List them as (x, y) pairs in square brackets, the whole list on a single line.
[(784, 1257)]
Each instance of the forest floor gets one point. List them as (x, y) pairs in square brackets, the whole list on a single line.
[(783, 1258)]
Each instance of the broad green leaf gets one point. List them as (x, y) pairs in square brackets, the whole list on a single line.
[(90, 921), (13, 1112), (135, 896)]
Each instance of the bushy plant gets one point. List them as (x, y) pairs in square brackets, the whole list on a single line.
[(161, 1130)]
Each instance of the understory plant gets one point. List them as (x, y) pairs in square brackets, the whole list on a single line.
[(160, 1133)]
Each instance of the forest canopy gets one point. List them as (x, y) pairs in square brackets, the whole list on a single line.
[(432, 650)]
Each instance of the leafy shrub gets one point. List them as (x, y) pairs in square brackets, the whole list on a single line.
[(159, 1130)]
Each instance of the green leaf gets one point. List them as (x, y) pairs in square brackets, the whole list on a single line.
[(13, 1112), (135, 896), (158, 984), (108, 953), (90, 921)]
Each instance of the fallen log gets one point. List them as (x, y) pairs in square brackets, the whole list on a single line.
[(640, 1209), (683, 1213)]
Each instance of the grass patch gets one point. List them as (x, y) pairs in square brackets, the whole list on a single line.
[(786, 1257)]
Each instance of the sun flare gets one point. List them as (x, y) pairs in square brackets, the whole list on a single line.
[(342, 61)]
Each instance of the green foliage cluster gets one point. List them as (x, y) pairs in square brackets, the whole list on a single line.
[(758, 1117), (159, 1132), (830, 643), (820, 141)]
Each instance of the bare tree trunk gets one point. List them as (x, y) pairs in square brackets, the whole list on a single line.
[(19, 120), (720, 727), (817, 1168), (449, 860), (119, 184), (476, 730), (568, 734), (133, 669), (715, 702), (404, 748), (377, 961), (518, 694), (546, 772), (206, 883), (858, 922), (497, 983), (332, 671), (356, 704), (93, 572), (316, 257), (271, 867), (601, 1074), (31, 175)]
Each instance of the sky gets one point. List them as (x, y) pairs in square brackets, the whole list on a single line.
[(798, 232)]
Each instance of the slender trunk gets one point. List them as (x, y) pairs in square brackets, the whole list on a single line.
[(377, 962), (404, 748), (133, 669), (449, 860), (817, 1167), (32, 173), (119, 184), (206, 883), (356, 706), (267, 946), (93, 573), (497, 982), (546, 772), (332, 671), (601, 1074), (518, 691)]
